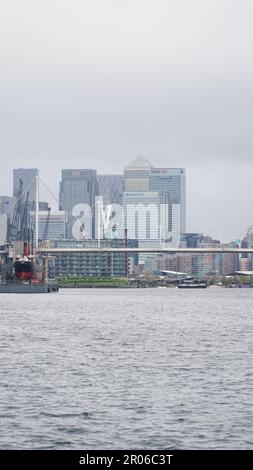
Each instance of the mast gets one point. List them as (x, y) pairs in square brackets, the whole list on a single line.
[(99, 222), (37, 213), (46, 228)]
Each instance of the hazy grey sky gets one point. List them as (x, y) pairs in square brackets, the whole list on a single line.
[(94, 83)]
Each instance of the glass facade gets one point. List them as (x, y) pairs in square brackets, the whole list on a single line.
[(56, 225), (77, 187), (110, 187), (171, 181), (164, 188)]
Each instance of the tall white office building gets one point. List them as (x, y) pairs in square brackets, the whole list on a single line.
[(154, 203)]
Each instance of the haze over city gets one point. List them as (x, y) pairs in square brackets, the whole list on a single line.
[(93, 84), (126, 233)]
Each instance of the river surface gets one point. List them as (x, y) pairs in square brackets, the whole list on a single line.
[(127, 369)]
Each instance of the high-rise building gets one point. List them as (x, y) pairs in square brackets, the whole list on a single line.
[(229, 262), (136, 175), (7, 204), (245, 264), (77, 186), (179, 263), (141, 176), (110, 187), (171, 182), (190, 240), (28, 176), (142, 215), (207, 263), (247, 242), (52, 226), (164, 190)]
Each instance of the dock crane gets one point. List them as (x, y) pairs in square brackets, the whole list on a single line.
[(14, 225), (19, 227)]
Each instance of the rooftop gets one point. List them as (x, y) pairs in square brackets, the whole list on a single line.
[(140, 162)]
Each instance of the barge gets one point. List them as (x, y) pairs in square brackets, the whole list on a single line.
[(26, 288)]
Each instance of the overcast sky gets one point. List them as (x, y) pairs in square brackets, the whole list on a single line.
[(94, 83)]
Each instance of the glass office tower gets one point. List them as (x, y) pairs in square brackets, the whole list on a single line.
[(77, 186)]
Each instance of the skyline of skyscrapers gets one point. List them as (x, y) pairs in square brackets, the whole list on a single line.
[(157, 186), (153, 204)]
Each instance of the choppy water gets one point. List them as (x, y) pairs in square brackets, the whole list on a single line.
[(127, 369)]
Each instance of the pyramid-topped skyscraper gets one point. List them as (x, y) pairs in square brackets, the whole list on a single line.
[(136, 175), (154, 204)]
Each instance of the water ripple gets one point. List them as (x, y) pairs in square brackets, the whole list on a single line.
[(89, 369)]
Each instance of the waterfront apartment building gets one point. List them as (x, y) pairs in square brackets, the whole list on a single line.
[(208, 263), (196, 264), (246, 259), (78, 186), (229, 263), (90, 264), (180, 263), (249, 240)]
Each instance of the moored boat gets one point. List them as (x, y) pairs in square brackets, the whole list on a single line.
[(192, 284), (24, 269)]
